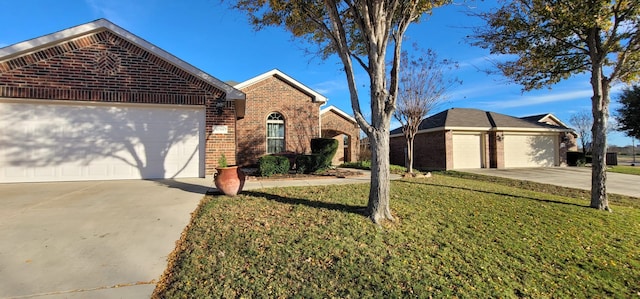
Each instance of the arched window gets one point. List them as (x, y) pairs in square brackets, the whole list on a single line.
[(275, 133)]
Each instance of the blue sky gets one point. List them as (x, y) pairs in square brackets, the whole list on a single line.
[(219, 41)]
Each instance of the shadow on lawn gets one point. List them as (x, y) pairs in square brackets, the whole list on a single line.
[(360, 210), (497, 193)]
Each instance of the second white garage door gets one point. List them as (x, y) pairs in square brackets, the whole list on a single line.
[(65, 141), (530, 150), (467, 151)]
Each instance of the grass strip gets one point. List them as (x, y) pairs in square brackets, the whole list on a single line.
[(454, 237), (634, 170)]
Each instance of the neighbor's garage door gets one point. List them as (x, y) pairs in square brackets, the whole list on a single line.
[(467, 151), (530, 150), (65, 141)]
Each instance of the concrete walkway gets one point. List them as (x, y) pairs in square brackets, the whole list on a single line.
[(365, 178), (573, 177)]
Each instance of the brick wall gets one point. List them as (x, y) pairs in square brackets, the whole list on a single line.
[(430, 150), (102, 67), (301, 118)]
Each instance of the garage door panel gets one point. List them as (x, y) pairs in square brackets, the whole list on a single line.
[(530, 150), (467, 151), (59, 142)]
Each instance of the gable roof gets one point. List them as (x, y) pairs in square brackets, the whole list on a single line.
[(479, 120), (545, 118), (316, 97), (100, 25), (339, 112)]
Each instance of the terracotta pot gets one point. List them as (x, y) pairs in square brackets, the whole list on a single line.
[(229, 180)]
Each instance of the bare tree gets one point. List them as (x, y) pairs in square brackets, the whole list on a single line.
[(582, 122), (360, 33), (421, 88)]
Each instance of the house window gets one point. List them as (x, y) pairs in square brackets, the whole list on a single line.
[(275, 133)]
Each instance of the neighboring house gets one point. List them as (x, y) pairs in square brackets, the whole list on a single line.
[(460, 138), (95, 102)]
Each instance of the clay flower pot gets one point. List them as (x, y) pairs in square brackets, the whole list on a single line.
[(229, 180)]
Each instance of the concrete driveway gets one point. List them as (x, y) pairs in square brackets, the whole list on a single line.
[(573, 177), (100, 239)]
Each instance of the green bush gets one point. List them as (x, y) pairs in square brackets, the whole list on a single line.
[(308, 163), (270, 165), (326, 148)]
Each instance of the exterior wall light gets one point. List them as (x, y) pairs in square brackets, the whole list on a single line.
[(220, 103)]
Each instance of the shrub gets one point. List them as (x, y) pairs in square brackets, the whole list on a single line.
[(326, 148), (308, 163), (270, 165), (575, 159)]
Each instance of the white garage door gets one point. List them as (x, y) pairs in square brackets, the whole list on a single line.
[(43, 141), (467, 151), (530, 150)]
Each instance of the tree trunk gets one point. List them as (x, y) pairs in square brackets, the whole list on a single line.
[(600, 110), (378, 205), (410, 155)]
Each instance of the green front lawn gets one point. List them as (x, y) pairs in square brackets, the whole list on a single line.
[(635, 170), (454, 237)]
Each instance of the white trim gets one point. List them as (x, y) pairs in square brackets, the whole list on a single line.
[(553, 117), (339, 112), (38, 43), (277, 73)]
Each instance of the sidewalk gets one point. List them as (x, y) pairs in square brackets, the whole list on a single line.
[(253, 184), (572, 177), (310, 181)]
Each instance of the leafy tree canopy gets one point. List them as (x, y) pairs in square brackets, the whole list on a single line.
[(554, 39), (628, 115)]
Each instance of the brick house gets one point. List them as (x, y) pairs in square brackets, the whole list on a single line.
[(460, 138), (96, 102)]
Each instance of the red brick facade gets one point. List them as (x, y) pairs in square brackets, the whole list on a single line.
[(431, 150), (272, 94), (103, 67)]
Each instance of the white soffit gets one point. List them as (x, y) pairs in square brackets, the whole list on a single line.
[(339, 112)]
